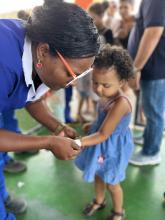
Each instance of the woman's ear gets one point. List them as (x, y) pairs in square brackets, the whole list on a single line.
[(42, 50)]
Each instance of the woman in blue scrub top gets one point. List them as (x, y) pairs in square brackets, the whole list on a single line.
[(58, 43)]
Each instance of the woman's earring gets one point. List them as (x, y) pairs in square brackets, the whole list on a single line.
[(39, 64)]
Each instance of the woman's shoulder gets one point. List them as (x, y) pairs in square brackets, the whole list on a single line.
[(12, 27), (12, 35)]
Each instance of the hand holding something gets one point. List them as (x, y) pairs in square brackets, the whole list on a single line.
[(63, 148)]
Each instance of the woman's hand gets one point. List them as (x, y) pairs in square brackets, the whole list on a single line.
[(65, 131), (63, 148), (69, 132)]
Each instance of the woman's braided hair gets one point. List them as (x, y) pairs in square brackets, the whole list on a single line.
[(65, 27)]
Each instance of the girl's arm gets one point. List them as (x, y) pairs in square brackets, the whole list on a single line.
[(115, 114)]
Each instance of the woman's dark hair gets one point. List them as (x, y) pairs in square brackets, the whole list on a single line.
[(117, 57), (65, 27), (97, 8)]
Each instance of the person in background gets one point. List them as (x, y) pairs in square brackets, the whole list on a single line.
[(96, 11), (110, 19), (109, 145), (68, 97), (56, 102), (87, 98), (46, 53), (105, 5), (24, 15), (84, 85), (147, 47), (126, 23)]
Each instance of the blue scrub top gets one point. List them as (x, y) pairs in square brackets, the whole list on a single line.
[(13, 88)]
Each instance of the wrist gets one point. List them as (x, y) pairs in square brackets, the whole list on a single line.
[(52, 141), (44, 142), (136, 70), (60, 127)]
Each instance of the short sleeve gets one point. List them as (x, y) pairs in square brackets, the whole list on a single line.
[(154, 13), (7, 84)]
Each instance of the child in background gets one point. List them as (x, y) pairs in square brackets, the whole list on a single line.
[(126, 23), (24, 15), (109, 145), (84, 85), (111, 19), (56, 103), (96, 11)]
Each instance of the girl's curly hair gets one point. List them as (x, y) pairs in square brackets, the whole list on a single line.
[(117, 57)]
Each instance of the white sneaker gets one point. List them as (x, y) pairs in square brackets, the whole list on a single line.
[(138, 141), (139, 159)]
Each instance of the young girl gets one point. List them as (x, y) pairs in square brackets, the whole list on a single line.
[(106, 151)]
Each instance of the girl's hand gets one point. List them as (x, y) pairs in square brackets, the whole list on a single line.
[(63, 148)]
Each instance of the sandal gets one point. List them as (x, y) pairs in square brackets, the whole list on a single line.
[(90, 208), (116, 214)]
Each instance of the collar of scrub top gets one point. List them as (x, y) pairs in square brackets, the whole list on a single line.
[(70, 70), (27, 63)]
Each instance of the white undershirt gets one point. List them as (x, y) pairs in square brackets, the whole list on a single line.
[(27, 63)]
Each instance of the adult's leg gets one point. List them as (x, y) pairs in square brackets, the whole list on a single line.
[(10, 123), (13, 204), (68, 97), (3, 214), (153, 101)]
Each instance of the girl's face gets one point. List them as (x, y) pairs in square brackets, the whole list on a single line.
[(55, 75), (125, 9), (106, 82)]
